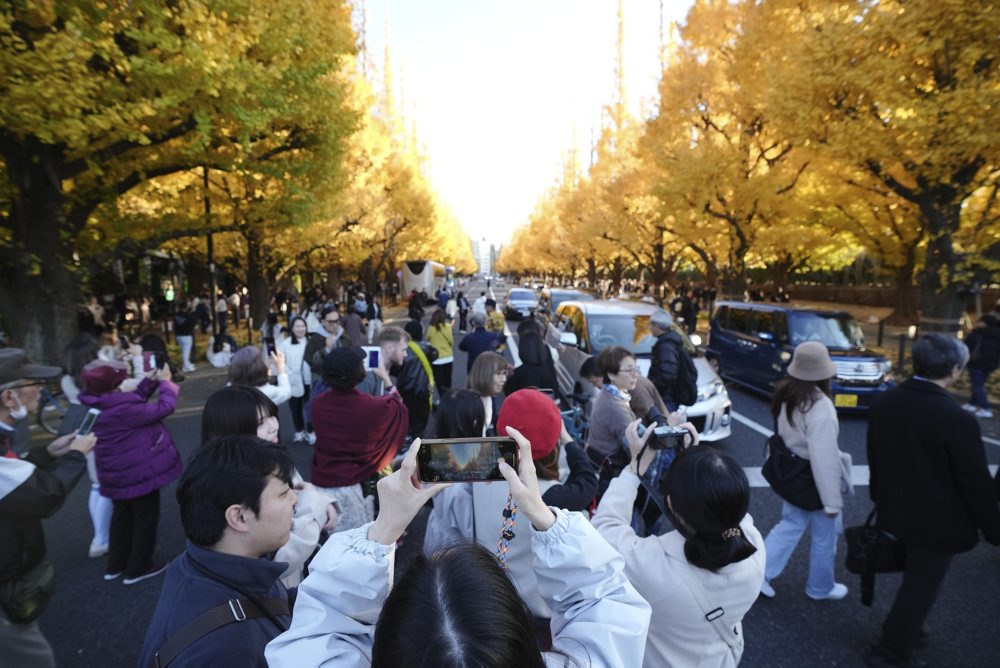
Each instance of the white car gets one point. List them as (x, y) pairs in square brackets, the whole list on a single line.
[(520, 303), (587, 327)]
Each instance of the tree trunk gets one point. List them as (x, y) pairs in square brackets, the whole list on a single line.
[(257, 283), (39, 286), (906, 299), (617, 270), (591, 272), (942, 304)]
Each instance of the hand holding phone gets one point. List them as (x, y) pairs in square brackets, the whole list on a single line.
[(269, 347), (373, 359), (87, 424), (524, 485), (465, 459), (150, 361), (400, 496)]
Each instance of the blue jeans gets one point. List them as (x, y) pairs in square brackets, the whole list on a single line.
[(781, 542), (977, 379)]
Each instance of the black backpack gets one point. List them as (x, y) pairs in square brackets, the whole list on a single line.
[(686, 385)]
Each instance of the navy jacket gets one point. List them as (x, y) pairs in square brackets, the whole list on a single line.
[(187, 593), (478, 342), (929, 478)]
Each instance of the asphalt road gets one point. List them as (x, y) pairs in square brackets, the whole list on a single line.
[(101, 624)]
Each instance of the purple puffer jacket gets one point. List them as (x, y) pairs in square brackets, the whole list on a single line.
[(135, 453)]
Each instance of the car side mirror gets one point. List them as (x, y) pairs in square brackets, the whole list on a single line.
[(568, 339)]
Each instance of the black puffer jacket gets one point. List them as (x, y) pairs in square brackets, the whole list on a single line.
[(984, 348), (665, 364), (24, 505)]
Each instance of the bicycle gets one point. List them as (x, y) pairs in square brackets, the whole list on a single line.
[(52, 407)]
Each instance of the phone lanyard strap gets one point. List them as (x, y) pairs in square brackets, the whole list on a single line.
[(507, 531)]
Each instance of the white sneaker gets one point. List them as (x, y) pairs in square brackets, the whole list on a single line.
[(311, 438), (984, 413), (299, 437), (189, 369), (838, 592), (766, 590), (969, 407), (97, 550)]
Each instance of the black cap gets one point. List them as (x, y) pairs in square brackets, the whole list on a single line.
[(343, 362), (15, 365)]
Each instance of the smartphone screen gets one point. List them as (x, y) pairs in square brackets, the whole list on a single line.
[(149, 361), (464, 459), (87, 424), (269, 346), (373, 352)]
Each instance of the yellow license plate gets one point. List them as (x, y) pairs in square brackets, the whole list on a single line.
[(845, 400)]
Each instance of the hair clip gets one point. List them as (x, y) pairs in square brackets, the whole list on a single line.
[(732, 533)]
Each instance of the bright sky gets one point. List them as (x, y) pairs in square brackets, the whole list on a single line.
[(497, 88)]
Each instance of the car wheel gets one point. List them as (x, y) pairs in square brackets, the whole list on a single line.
[(714, 361)]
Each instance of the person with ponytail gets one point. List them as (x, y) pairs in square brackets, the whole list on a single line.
[(715, 549)]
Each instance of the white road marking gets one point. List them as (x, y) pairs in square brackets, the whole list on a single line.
[(859, 474), (512, 345)]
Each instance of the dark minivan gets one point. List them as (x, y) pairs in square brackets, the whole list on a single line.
[(751, 344)]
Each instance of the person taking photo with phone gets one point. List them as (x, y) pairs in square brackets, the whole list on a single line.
[(346, 613), (135, 457), (32, 487)]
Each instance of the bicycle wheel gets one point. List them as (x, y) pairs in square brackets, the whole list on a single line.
[(51, 412)]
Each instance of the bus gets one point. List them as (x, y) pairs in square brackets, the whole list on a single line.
[(427, 276)]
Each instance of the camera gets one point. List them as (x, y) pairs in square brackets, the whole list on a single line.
[(664, 436)]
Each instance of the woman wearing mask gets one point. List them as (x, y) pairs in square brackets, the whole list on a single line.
[(239, 410), (807, 421), (346, 613), (441, 336), (299, 379), (714, 554), (486, 378)]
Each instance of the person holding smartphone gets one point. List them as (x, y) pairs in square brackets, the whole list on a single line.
[(346, 613)]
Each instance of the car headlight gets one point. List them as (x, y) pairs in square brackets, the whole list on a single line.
[(709, 390)]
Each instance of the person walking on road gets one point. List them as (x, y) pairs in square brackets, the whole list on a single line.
[(479, 306), (984, 358), (479, 341), (462, 303), (441, 335), (807, 421), (930, 485), (32, 488), (667, 357)]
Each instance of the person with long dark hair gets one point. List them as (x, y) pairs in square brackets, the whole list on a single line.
[(536, 370), (458, 607), (299, 378), (807, 420), (715, 545), (240, 410)]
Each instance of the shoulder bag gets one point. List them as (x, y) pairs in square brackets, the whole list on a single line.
[(25, 597), (872, 550), (714, 614), (789, 475)]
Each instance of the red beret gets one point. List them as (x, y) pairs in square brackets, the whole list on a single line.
[(536, 416), (101, 377)]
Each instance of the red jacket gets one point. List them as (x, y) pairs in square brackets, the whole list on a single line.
[(356, 435)]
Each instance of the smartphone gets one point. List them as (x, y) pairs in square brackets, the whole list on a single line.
[(269, 347), (373, 353), (150, 361), (87, 424), (464, 459)]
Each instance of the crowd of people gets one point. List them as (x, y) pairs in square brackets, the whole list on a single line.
[(614, 549)]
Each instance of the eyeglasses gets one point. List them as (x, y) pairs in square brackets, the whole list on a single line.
[(633, 371), (22, 385), (332, 322)]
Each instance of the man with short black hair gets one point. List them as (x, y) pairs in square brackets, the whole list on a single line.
[(478, 341), (930, 485), (222, 602)]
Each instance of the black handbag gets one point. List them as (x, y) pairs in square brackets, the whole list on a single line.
[(872, 550), (24, 598), (789, 475)]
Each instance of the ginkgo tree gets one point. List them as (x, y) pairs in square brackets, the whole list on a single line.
[(100, 97)]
